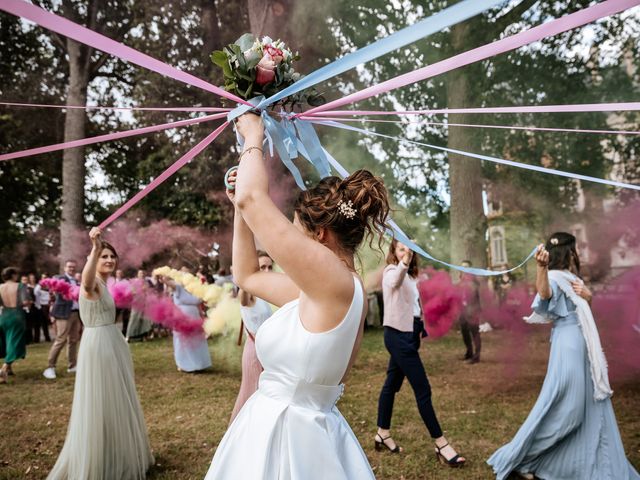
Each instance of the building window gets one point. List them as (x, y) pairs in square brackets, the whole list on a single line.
[(498, 246)]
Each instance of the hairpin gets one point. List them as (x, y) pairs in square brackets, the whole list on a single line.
[(554, 241), (346, 209)]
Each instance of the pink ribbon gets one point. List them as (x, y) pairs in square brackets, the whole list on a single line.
[(109, 136), (81, 34), (554, 27), (164, 175), (98, 107), (576, 108), (505, 127)]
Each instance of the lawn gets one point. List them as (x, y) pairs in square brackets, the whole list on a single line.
[(479, 406)]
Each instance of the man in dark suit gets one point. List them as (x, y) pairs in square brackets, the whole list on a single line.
[(68, 326)]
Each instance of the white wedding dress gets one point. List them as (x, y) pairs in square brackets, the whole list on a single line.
[(291, 429)]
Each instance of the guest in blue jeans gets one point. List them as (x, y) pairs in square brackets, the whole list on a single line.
[(403, 327)]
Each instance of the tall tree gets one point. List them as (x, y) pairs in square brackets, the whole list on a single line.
[(113, 19)]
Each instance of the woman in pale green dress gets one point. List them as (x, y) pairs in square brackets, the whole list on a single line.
[(107, 436)]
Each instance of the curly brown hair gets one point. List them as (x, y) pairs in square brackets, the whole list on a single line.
[(319, 207)]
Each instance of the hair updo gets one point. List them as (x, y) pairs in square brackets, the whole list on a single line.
[(320, 207), (562, 250)]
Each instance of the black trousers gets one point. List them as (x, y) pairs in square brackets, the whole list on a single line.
[(471, 337), (42, 315), (405, 362), (32, 319)]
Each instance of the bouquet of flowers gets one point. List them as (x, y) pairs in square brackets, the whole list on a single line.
[(253, 67)]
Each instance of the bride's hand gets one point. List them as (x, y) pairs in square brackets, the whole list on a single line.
[(251, 128)]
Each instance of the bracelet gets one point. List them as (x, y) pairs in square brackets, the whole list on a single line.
[(248, 150), (226, 179)]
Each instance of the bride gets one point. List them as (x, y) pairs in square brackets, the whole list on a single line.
[(291, 427)]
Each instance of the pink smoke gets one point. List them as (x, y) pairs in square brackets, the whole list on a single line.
[(122, 293), (137, 244), (441, 302), (162, 310), (617, 313)]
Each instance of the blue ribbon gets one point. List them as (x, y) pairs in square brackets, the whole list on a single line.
[(286, 151)]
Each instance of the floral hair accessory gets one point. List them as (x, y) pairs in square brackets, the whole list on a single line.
[(554, 241), (346, 209)]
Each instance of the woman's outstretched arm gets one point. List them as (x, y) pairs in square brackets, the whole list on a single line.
[(274, 287), (90, 268)]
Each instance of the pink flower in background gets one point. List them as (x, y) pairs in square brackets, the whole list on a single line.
[(275, 53), (266, 70)]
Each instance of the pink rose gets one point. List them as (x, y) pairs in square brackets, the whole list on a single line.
[(275, 53), (265, 70)]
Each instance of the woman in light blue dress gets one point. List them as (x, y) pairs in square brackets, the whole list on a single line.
[(571, 432), (191, 352)]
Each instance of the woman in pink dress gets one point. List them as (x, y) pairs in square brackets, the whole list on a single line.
[(254, 311)]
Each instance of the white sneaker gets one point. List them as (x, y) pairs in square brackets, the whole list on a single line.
[(49, 373), (72, 370)]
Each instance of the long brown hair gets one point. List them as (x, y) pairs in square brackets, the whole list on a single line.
[(392, 260), (364, 211)]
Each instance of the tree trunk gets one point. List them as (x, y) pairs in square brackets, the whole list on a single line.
[(211, 38), (468, 222), (73, 168), (271, 17)]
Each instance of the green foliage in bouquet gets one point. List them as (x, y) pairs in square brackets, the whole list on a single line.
[(253, 67)]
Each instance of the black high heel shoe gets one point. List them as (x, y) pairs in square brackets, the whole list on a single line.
[(380, 443), (454, 462)]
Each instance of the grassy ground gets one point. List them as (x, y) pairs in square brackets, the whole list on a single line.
[(480, 407)]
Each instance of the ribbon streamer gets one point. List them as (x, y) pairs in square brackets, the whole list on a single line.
[(575, 176), (93, 39), (164, 175), (101, 107), (576, 108), (469, 125), (108, 137), (554, 27)]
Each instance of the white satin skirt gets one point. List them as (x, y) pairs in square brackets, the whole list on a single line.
[(290, 430)]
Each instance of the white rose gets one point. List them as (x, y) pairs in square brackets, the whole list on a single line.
[(266, 40)]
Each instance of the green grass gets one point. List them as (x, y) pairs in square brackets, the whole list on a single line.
[(479, 406)]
